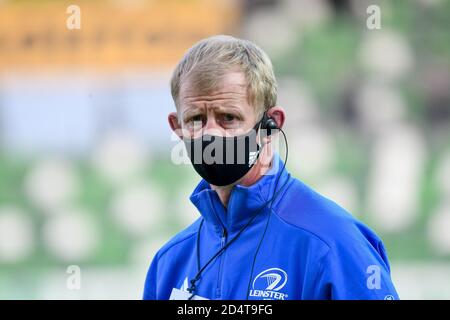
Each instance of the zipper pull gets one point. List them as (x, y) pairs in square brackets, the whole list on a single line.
[(224, 236)]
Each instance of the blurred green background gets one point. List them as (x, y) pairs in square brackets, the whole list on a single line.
[(86, 176)]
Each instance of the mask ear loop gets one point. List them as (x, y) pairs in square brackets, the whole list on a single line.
[(258, 128), (260, 143)]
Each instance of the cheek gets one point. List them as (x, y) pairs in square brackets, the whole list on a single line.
[(190, 131)]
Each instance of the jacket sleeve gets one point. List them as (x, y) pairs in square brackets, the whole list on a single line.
[(150, 281), (358, 271)]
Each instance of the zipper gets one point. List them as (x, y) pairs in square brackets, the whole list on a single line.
[(223, 242)]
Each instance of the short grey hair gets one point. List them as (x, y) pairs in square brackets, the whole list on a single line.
[(210, 59)]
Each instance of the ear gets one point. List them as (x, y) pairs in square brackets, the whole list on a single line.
[(278, 115), (174, 124)]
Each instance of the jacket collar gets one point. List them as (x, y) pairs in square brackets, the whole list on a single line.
[(244, 201)]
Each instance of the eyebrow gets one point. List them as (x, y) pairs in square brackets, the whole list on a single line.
[(227, 107), (190, 112)]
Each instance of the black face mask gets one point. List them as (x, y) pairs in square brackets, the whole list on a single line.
[(223, 160)]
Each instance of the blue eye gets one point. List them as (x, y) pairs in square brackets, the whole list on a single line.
[(228, 117), (197, 118)]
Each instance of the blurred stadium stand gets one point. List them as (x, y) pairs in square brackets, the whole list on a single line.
[(85, 171)]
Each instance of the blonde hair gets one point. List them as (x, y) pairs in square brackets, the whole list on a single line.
[(210, 59)]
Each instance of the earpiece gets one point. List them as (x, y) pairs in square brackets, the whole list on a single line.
[(268, 124)]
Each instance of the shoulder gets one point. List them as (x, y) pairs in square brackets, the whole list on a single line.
[(180, 238), (303, 208)]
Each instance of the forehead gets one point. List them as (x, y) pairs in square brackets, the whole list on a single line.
[(231, 86)]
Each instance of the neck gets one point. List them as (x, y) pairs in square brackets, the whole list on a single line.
[(261, 166)]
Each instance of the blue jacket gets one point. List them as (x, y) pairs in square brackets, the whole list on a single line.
[(309, 248)]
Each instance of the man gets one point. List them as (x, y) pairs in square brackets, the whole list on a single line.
[(262, 234)]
